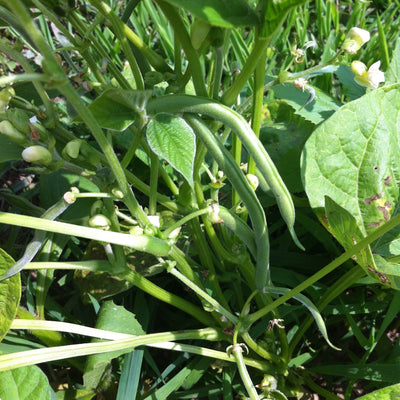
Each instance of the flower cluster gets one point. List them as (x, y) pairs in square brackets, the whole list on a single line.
[(369, 78)]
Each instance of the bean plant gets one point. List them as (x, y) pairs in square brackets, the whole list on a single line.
[(199, 199)]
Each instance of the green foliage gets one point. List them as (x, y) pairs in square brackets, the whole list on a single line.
[(238, 166), (10, 294), (166, 135), (26, 383)]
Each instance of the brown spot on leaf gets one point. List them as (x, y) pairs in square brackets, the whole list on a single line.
[(388, 204), (385, 212), (387, 180), (374, 197), (375, 224)]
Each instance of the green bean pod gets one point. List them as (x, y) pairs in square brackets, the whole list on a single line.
[(199, 105), (232, 171)]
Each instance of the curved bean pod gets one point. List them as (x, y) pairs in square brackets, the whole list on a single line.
[(199, 105), (246, 193)]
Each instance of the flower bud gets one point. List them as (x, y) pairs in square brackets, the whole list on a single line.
[(253, 180), (71, 149), (37, 155), (100, 221), (371, 78), (359, 68), (7, 129), (213, 214), (355, 38), (154, 220)]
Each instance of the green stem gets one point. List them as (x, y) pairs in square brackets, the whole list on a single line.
[(318, 389), (11, 78), (154, 163), (153, 290), (182, 35), (184, 220), (219, 65), (335, 290), (30, 357), (237, 353), (260, 350), (201, 293), (230, 96), (118, 27), (108, 151), (258, 97), (207, 259), (237, 156), (143, 243), (90, 41), (215, 242), (327, 269)]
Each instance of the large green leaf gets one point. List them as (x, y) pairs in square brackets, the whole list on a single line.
[(112, 318), (223, 13), (352, 161), (27, 383), (387, 393), (10, 294), (117, 109), (172, 139), (353, 158)]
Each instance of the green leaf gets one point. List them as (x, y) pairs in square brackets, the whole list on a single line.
[(344, 228), (392, 75), (284, 134), (27, 383), (9, 150), (387, 393), (117, 109), (353, 158), (226, 14), (320, 109), (172, 139), (10, 294), (371, 372), (112, 318)]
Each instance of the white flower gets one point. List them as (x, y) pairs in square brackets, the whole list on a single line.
[(355, 38), (370, 78)]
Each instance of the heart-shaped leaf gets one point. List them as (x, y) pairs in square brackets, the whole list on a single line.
[(171, 138), (353, 158)]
